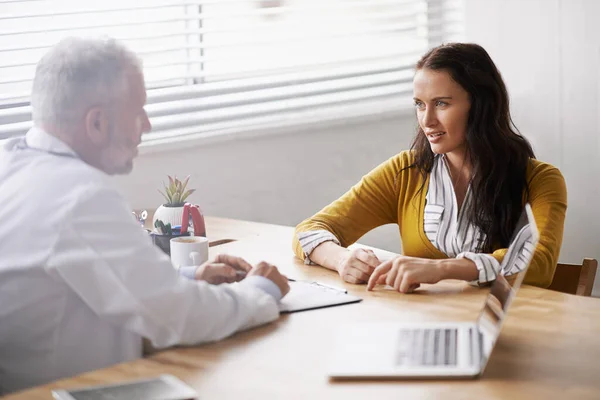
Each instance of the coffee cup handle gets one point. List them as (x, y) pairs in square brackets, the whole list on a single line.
[(195, 257)]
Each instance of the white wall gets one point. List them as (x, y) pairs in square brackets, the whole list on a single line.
[(549, 54), (281, 178)]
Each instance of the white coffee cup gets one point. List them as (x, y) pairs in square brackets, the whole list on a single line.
[(189, 250)]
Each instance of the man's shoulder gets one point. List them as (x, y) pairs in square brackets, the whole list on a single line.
[(72, 178), (57, 185)]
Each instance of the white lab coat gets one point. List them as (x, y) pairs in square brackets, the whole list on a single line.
[(81, 283)]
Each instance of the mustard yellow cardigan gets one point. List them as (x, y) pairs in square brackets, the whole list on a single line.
[(387, 195)]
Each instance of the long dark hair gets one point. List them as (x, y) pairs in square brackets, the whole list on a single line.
[(495, 148)]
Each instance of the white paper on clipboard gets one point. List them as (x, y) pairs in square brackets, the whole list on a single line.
[(304, 296)]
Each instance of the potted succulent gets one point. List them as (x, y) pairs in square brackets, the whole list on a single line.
[(175, 194)]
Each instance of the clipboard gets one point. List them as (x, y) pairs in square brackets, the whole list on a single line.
[(304, 296), (164, 387)]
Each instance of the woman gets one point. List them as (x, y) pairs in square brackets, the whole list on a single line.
[(457, 195)]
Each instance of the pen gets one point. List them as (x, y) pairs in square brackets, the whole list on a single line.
[(241, 274), (336, 288), (339, 289)]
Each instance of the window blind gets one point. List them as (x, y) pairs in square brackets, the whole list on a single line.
[(214, 64)]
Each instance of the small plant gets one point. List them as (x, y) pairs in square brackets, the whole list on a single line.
[(175, 192)]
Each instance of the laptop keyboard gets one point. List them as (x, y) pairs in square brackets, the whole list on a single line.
[(427, 347)]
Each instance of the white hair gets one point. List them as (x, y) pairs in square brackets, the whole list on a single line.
[(77, 74)]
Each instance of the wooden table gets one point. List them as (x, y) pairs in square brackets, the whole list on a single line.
[(549, 346)]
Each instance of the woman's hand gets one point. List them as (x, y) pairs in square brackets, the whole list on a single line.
[(356, 266), (223, 269), (405, 274)]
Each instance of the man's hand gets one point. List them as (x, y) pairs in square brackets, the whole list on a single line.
[(405, 274), (356, 266), (272, 273), (223, 269)]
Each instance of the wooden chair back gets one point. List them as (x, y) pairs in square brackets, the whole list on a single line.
[(575, 278)]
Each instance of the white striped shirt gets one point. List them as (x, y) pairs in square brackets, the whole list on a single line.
[(448, 229)]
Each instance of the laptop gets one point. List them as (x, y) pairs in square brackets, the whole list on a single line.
[(437, 350)]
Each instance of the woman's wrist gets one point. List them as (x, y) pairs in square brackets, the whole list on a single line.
[(452, 268), (329, 255)]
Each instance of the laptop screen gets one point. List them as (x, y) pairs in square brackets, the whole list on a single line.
[(514, 267)]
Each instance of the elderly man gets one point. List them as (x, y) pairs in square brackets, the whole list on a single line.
[(80, 283)]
